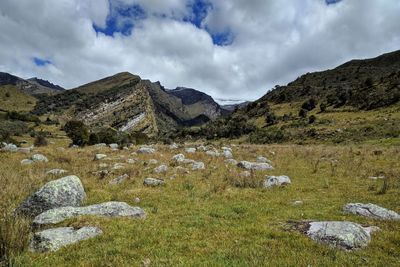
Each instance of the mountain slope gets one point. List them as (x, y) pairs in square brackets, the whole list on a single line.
[(31, 86), (363, 84), (128, 103)]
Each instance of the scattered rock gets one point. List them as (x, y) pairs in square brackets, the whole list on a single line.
[(255, 166), (137, 200), (173, 146), (130, 161), (345, 235), (212, 153), (181, 169), (66, 191), (201, 148), (39, 158), (107, 209), (26, 161), (190, 150), (178, 158), (102, 173), (271, 181), (118, 166), (377, 177), (153, 162), (226, 148), (54, 239), (261, 159), (114, 146), (146, 262), (371, 211), (103, 165), (198, 166), (231, 162), (100, 156), (56, 172), (245, 174), (297, 203), (25, 150), (146, 150), (153, 182), (227, 154), (60, 149), (9, 147), (100, 145), (161, 168), (120, 179)]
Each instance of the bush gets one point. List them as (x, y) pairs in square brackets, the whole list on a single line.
[(309, 104), (268, 136), (12, 128), (303, 113), (40, 140), (78, 132), (312, 119)]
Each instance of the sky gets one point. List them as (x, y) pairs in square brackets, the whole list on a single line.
[(236, 49)]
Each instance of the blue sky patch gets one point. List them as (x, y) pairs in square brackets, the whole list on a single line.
[(332, 2), (41, 62), (121, 19), (200, 10), (223, 38)]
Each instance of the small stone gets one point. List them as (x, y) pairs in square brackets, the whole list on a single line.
[(178, 158), (161, 168), (100, 145), (54, 239), (271, 181), (118, 166), (114, 146), (137, 200), (39, 158), (261, 159), (120, 179), (56, 172), (130, 161), (190, 150), (212, 153), (103, 165), (146, 150), (231, 162), (255, 166), (173, 146), (100, 156), (153, 182), (153, 162), (26, 161), (198, 166), (297, 203), (227, 154)]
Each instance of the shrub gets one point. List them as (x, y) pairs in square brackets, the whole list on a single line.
[(77, 131), (303, 113), (312, 119), (40, 140), (268, 136), (309, 104)]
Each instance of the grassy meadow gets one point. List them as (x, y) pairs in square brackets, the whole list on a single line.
[(211, 217)]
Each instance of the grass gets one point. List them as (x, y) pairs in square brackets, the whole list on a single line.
[(12, 99), (212, 217)]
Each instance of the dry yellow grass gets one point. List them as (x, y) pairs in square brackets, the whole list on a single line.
[(203, 219)]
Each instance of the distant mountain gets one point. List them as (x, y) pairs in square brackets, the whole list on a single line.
[(363, 84), (128, 103), (31, 86), (233, 107)]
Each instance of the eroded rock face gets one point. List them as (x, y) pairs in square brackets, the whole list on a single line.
[(108, 209), (66, 191), (271, 181), (345, 235), (254, 166), (153, 182), (371, 211), (54, 239)]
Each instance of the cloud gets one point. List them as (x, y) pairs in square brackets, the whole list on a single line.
[(229, 49)]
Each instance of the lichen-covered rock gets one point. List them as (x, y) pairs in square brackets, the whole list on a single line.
[(271, 181), (345, 235), (146, 150), (161, 168), (153, 182), (198, 166), (371, 211), (54, 239), (56, 172), (254, 166), (63, 192), (107, 209), (100, 156), (39, 158), (120, 179)]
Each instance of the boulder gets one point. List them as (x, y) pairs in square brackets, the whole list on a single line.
[(56, 172), (114, 146), (161, 168), (39, 158), (54, 239), (254, 166), (227, 154), (198, 166), (345, 235), (63, 192), (9, 148), (371, 211), (190, 150), (271, 181), (261, 159), (100, 156), (120, 179), (173, 146), (146, 150), (107, 209), (153, 182)]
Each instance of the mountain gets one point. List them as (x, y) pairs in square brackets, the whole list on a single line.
[(126, 102), (363, 84), (31, 86)]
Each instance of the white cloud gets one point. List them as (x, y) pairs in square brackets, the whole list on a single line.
[(274, 41)]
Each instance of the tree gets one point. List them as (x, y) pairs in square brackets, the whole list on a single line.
[(77, 131), (312, 119), (309, 104)]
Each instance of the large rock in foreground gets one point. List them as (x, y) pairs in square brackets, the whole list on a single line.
[(345, 235), (54, 239), (371, 211), (66, 191), (255, 166), (108, 209)]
